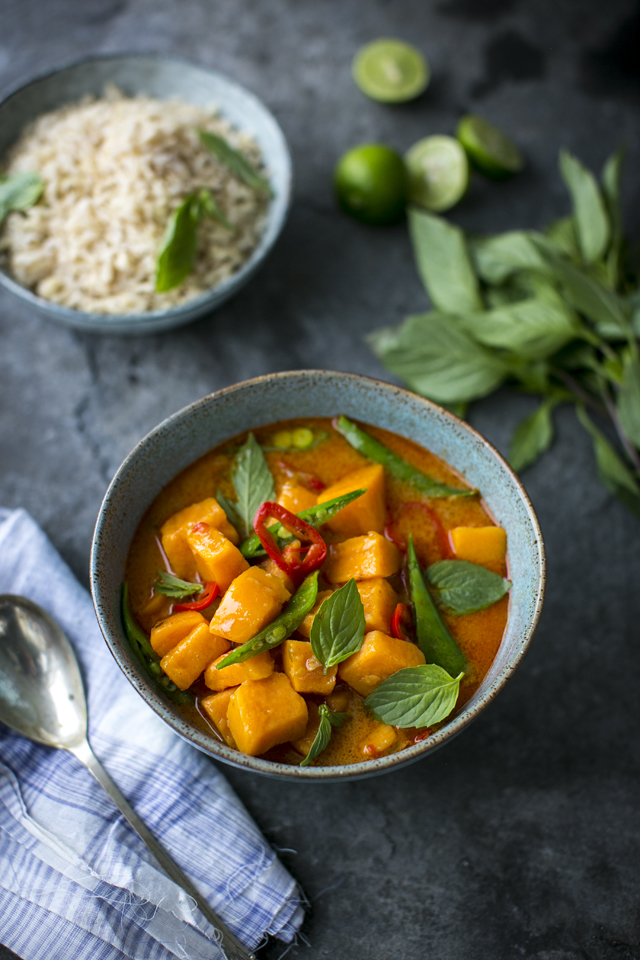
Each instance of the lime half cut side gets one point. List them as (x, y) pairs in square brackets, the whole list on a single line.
[(489, 150), (438, 172), (390, 71)]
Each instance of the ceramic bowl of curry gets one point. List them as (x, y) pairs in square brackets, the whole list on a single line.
[(437, 557)]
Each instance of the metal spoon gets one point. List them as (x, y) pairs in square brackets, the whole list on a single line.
[(42, 697)]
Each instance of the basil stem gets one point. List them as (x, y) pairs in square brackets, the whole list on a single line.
[(397, 467), (315, 516), (434, 638), (146, 654), (282, 627)]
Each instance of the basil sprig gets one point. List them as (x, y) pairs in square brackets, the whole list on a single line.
[(464, 587), (253, 483), (19, 192), (338, 627), (177, 255), (173, 586), (328, 720), (234, 161), (415, 696), (555, 312)]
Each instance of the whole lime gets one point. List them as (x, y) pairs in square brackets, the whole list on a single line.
[(371, 184)]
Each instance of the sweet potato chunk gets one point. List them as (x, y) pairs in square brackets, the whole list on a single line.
[(305, 627), (366, 513), (363, 558), (251, 602), (304, 743), (305, 673), (168, 633), (482, 545), (272, 567), (216, 706), (216, 557), (294, 497), (379, 600), (381, 738), (174, 533), (254, 669), (185, 663), (379, 657), (263, 713)]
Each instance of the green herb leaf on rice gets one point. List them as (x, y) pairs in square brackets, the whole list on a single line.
[(19, 192), (234, 161)]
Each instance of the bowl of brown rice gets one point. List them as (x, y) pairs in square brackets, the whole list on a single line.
[(117, 142)]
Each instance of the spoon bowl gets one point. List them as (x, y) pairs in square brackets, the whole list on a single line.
[(41, 692), (42, 697)]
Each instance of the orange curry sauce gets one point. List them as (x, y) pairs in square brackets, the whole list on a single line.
[(478, 634)]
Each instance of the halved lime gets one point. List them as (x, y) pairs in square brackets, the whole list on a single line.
[(390, 71), (371, 184), (489, 150), (438, 172)]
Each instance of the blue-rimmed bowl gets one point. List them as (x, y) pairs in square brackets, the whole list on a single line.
[(163, 78), (191, 432)]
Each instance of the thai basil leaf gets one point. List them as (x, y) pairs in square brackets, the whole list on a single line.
[(497, 258), (533, 436), (436, 357), (603, 307), (464, 587), (328, 719), (210, 206), (19, 192), (232, 514), (591, 218), (179, 245), (614, 473), (173, 586), (532, 329), (415, 696), (611, 179), (338, 627), (443, 263), (628, 403), (561, 234), (234, 161), (253, 482)]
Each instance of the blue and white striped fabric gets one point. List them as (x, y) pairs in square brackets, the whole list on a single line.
[(75, 880)]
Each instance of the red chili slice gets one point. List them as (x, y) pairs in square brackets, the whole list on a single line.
[(308, 480), (290, 560), (392, 534), (210, 592), (401, 621)]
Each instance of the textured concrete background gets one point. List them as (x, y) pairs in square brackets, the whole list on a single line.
[(521, 838)]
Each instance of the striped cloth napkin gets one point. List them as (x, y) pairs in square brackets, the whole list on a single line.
[(75, 880)]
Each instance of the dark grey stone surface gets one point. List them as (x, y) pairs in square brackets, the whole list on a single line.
[(522, 837)]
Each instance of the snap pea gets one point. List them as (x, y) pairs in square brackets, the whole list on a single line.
[(146, 654), (397, 467), (434, 638), (314, 516), (282, 627)]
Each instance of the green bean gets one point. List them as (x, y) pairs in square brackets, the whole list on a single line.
[(146, 654), (365, 444), (434, 638), (315, 516), (282, 627)]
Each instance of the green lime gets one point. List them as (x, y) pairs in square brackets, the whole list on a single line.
[(390, 71), (488, 149), (438, 172), (371, 184)]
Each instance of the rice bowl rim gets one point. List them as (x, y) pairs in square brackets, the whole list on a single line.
[(157, 320)]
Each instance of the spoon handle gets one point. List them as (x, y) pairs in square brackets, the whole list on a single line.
[(228, 943)]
